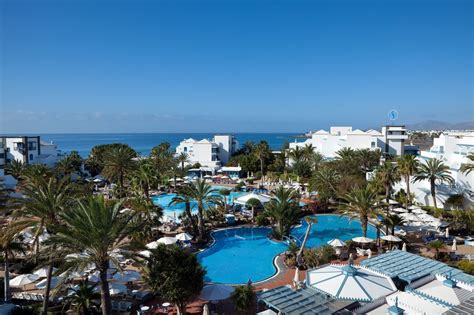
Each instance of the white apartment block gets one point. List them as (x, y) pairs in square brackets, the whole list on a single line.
[(209, 153), (28, 150), (390, 140), (452, 148)]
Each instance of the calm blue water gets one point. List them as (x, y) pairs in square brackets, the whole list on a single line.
[(144, 142), (164, 200), (241, 254)]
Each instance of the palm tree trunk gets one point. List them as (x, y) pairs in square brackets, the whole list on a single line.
[(433, 193), (105, 305), (201, 223), (300, 252), (191, 219), (6, 278), (121, 184), (407, 181), (48, 289), (261, 171), (364, 226)]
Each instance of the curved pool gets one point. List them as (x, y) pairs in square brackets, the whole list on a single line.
[(240, 254), (164, 200)]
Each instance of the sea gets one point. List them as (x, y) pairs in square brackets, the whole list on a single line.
[(144, 142)]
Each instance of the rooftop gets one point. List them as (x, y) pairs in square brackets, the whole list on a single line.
[(410, 267), (303, 301)]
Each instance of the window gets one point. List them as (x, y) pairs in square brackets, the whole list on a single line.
[(31, 157), (185, 149), (2, 155), (372, 145), (31, 145)]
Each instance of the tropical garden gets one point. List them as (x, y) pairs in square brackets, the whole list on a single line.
[(66, 217)]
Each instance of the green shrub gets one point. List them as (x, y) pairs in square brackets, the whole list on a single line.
[(262, 220), (466, 266)]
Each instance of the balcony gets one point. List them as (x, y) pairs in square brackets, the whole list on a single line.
[(397, 137)]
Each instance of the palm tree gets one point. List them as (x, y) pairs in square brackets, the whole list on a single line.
[(346, 153), (118, 162), (244, 297), (83, 299), (297, 154), (15, 168), (407, 166), (46, 199), (262, 152), (203, 194), (434, 171), (283, 210), (145, 177), (308, 151), (437, 245), (393, 221), (253, 203), (182, 159), (468, 167), (224, 193), (361, 202), (183, 198), (325, 181), (368, 159), (66, 166), (9, 245), (387, 176), (93, 231), (310, 220)]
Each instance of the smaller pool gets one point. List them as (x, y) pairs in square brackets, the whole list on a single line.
[(240, 254), (164, 200)]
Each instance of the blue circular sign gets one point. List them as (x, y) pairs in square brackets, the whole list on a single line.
[(393, 114)]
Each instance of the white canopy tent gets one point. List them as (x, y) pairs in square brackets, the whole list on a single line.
[(244, 199), (22, 280)]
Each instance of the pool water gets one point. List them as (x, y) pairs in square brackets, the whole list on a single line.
[(240, 254), (171, 210), (330, 227)]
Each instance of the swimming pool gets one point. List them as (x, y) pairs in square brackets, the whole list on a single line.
[(240, 254), (164, 200)]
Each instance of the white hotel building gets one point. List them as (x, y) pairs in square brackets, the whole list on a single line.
[(26, 149), (452, 148), (209, 153), (390, 140)]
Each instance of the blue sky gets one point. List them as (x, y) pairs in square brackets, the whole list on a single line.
[(241, 66)]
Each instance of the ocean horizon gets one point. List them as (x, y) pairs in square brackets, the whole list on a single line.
[(144, 142)]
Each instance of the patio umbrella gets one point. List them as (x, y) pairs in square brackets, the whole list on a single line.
[(152, 245), (205, 310), (244, 199), (216, 292), (336, 243), (184, 237), (390, 238), (117, 288), (362, 239), (454, 247), (54, 283), (167, 240), (145, 253), (404, 247), (127, 276), (22, 280), (43, 272)]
